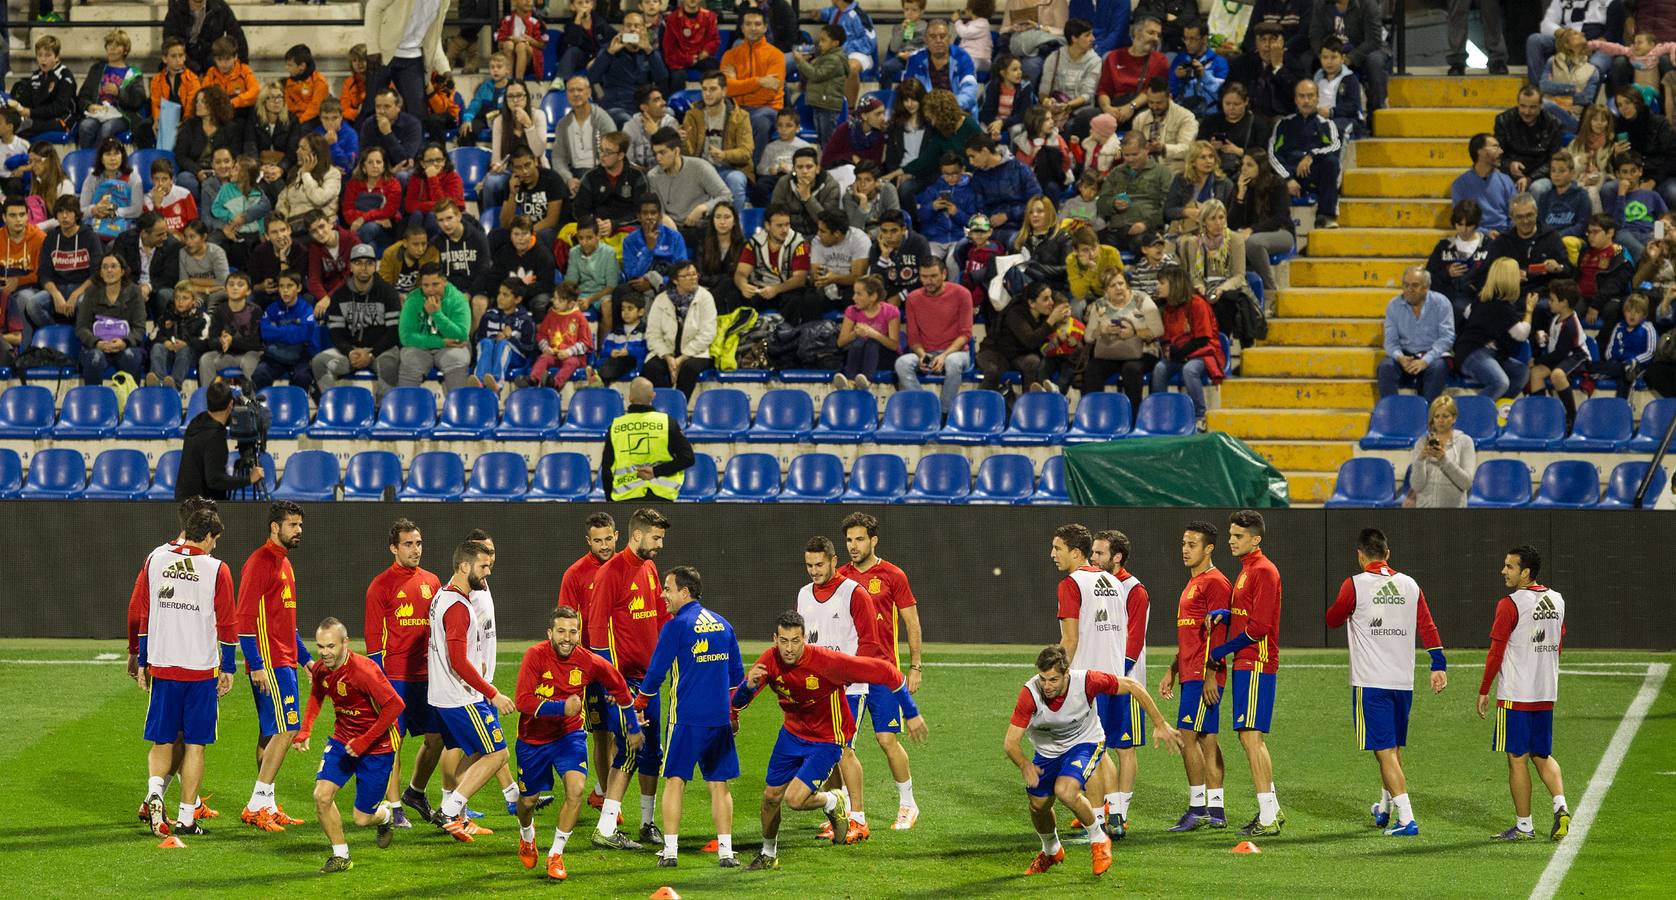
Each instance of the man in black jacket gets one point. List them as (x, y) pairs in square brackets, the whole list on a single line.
[(203, 457), (1015, 345), (1529, 136), (612, 189), (213, 19), (1540, 253), (152, 256), (364, 318)]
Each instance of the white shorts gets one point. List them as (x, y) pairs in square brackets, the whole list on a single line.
[(863, 60)]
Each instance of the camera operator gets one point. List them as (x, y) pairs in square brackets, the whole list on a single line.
[(203, 457)]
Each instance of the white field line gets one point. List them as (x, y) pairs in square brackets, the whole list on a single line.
[(1341, 667), (1599, 783)]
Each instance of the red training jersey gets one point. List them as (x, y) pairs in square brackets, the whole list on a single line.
[(398, 632), (1255, 608), (1205, 591), (812, 692), (268, 607), (625, 611), (1097, 682), (546, 680), (367, 706), (1138, 605), (577, 584), (887, 584)]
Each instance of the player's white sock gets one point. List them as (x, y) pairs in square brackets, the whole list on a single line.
[(1405, 809), (154, 786), (771, 846), (559, 840), (1267, 806), (1384, 799), (905, 794), (527, 832), (1196, 796), (648, 804), (608, 815), (669, 846), (1274, 792), (453, 803), (1050, 842), (1559, 802), (1120, 802), (262, 797), (860, 818), (510, 792), (1099, 813), (386, 814), (186, 814), (831, 802), (1524, 823), (341, 851), (724, 845), (1214, 797), (1097, 834)]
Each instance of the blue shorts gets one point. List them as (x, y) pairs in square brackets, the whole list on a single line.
[(371, 773), (1123, 719), (649, 758), (594, 708), (1191, 711), (1523, 732), (276, 711), (418, 716), (1380, 716), (807, 761), (184, 710), (1078, 763), (887, 709), (472, 728), (538, 762), (709, 747), (1253, 700)]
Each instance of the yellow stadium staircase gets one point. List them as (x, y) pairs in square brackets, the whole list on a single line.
[(1303, 396)]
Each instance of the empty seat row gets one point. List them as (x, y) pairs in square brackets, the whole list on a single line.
[(1370, 481), (1535, 422)]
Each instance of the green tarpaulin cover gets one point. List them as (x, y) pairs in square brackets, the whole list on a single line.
[(1201, 470)]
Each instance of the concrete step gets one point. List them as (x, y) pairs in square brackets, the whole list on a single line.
[(1336, 303), (267, 42), (1403, 242), (1325, 333), (1412, 153), (1312, 362), (1290, 425), (1435, 123), (1410, 213), (1290, 393), (1305, 456), (1398, 183), (1338, 272), (1498, 91), (1310, 488)]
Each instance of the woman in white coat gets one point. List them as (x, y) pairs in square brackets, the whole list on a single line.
[(679, 329)]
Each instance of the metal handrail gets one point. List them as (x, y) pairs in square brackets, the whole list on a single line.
[(1653, 468)]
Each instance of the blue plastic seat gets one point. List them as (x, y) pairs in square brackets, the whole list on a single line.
[(720, 415), (56, 473), (11, 474), (288, 404), (1051, 489), (672, 403), (785, 415), (699, 481), (369, 473), (1164, 414), (407, 413), (911, 417), (435, 475), (814, 478), (1655, 421), (25, 412), (346, 411), (1038, 419), (847, 417), (750, 478), (1501, 484), (196, 404), (565, 477), (531, 414), (270, 471), (751, 219), (1397, 422), (1004, 478), (884, 95), (163, 477), (877, 478), (1535, 422), (63, 339), (591, 412), (1364, 482), (555, 104), (941, 478), (1604, 424), (1102, 416), (77, 165), (121, 474), (683, 100), (471, 164), (500, 475), (1477, 417), (141, 160), (89, 412), (976, 417), (1620, 486), (468, 413), (1568, 484), (151, 412), (310, 475)]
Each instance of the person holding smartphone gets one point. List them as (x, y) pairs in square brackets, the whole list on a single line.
[(1123, 329), (1444, 460)]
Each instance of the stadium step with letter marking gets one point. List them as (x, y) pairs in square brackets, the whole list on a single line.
[(1291, 424), (1418, 212), (1495, 91), (1341, 272), (1409, 243), (1299, 393), (1410, 153), (1436, 123), (1326, 333), (1335, 303)]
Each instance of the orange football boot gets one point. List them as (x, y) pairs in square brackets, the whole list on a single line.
[(555, 867), (262, 820), (526, 853), (1102, 856), (1044, 862)]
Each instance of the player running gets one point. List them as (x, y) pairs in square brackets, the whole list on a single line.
[(895, 613), (808, 680), (363, 742), (700, 648), (272, 651), (551, 682), (1385, 609), (1196, 712), (1525, 644), (1093, 615), (398, 640), (600, 532), (1110, 554), (184, 657), (1056, 707), (1253, 618)]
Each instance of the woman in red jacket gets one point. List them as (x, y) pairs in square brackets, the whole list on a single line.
[(372, 200), (434, 179), (1190, 344)]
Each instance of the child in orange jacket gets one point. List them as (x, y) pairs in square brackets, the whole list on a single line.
[(353, 94), (232, 76), (306, 88), (175, 82)]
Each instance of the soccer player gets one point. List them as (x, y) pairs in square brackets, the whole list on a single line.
[(363, 742), (398, 641), (600, 533), (1253, 618), (1196, 713), (701, 649), (1525, 644), (551, 681), (808, 680), (185, 659), (489, 648), (895, 613), (1386, 609), (272, 651), (1124, 725), (465, 702), (1056, 707), (625, 611), (1093, 617)]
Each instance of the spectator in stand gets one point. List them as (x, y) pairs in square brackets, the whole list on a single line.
[(235, 79), (1529, 137), (946, 204), (755, 72), (1586, 16), (948, 130), (859, 42), (577, 135), (719, 249), (1015, 343), (773, 270), (1457, 258), (1176, 16), (1419, 336), (691, 39), (523, 259), (210, 128), (487, 99), (1086, 267), (1215, 263), (679, 329), (363, 318), (272, 128), (315, 184), (782, 21), (1630, 347), (824, 79), (1359, 27), (523, 38), (235, 335), (173, 201), (1045, 240), (631, 60), (1569, 81), (433, 181), (653, 117), (434, 329), (202, 263), (623, 348), (649, 254), (1197, 73), (1650, 135), (896, 257), (609, 194), (838, 257), (687, 185), (939, 318), (1002, 186), (907, 37), (1631, 202), (1126, 70), (1123, 330), (112, 194), (1169, 128), (12, 147), (305, 88), (586, 36), (593, 268), (352, 93), (69, 258), (1070, 75), (1109, 19), (719, 131), (463, 251), (20, 257), (1236, 131), (113, 96), (1200, 181), (1304, 150), (1133, 195), (565, 340), (344, 143), (1492, 333), (150, 253), (972, 259), (372, 200), (870, 200), (971, 32), (1604, 271), (1189, 343), (1562, 356), (288, 333), (179, 338), (862, 139), (871, 329), (1260, 212), (1291, 17), (1440, 473), (1495, 38), (328, 254), (1562, 205), (807, 193), (278, 253), (110, 322), (442, 109), (399, 267), (46, 99), (505, 337), (1485, 183), (1268, 74), (1339, 91), (535, 193), (1006, 99), (397, 133), (200, 25)]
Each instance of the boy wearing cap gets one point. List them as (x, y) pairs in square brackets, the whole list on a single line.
[(363, 317), (1155, 255), (861, 138), (972, 261)]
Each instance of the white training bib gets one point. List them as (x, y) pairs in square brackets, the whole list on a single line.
[(1382, 630), (1102, 623), (446, 689), (1530, 668), (829, 624), (1055, 731)]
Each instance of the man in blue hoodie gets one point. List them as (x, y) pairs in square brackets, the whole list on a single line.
[(945, 206), (288, 331), (1004, 185), (630, 61)]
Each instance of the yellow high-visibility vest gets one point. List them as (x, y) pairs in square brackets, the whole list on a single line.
[(641, 439)]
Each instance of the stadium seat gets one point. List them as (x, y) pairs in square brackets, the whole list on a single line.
[(877, 478), (911, 417), (672, 403), (1103, 416), (151, 412), (750, 219), (531, 414), (564, 477), (1051, 489), (1476, 416), (1604, 424), (1655, 421), (847, 417), (270, 475), (500, 475), (683, 100), (1169, 414), (63, 339), (89, 412), (471, 164), (1620, 486), (941, 478), (1535, 422), (468, 414), (698, 483), (11, 473), (719, 416), (434, 475), (406, 414), (814, 478), (1038, 419), (288, 404), (346, 411), (1365, 482), (56, 473), (785, 415), (977, 417), (163, 477), (121, 474), (25, 412), (310, 475), (1501, 484), (591, 412), (370, 472), (489, 219), (1004, 478), (1568, 484), (750, 478), (141, 160), (884, 95), (1397, 422), (555, 104), (77, 164)]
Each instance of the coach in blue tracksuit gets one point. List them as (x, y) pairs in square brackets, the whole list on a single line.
[(1304, 150), (699, 647)]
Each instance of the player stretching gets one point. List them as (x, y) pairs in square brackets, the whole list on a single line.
[(704, 653), (887, 584), (1110, 554), (1196, 712), (551, 682), (1254, 620), (809, 680), (600, 533), (1525, 652), (1056, 706), (363, 742), (1092, 619), (272, 651), (458, 691), (625, 611), (1385, 609), (398, 641), (186, 632)]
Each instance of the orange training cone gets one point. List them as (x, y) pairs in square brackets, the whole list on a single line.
[(1246, 847), (172, 843), (665, 893), (712, 847)]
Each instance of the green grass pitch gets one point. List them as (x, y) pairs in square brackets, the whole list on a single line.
[(73, 769)]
